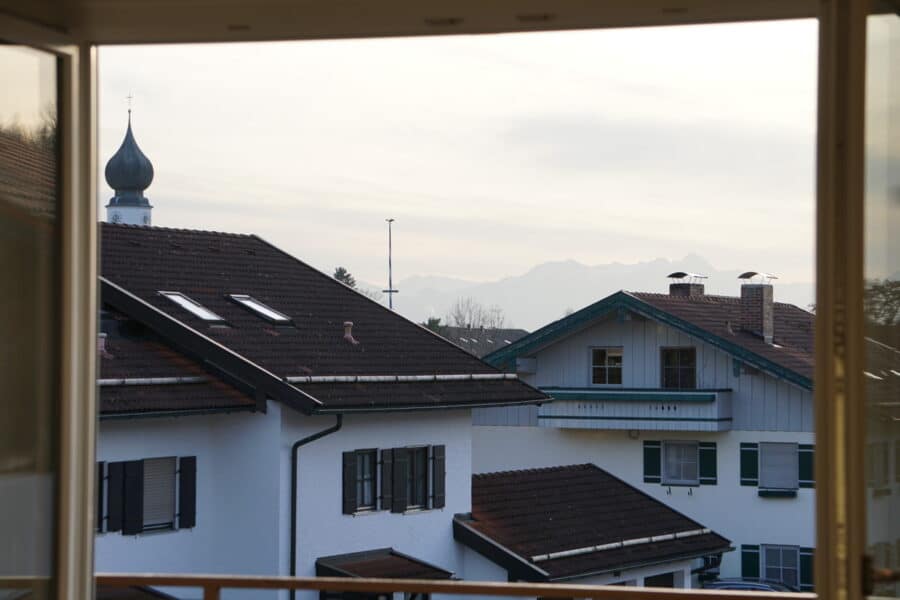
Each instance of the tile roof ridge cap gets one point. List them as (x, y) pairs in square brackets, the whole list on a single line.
[(555, 468), (176, 229)]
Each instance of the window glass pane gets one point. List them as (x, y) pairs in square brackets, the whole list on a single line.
[(599, 357), (882, 289), (192, 306), (614, 375), (258, 307), (29, 323), (599, 375)]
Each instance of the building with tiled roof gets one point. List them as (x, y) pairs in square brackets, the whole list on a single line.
[(258, 416), (702, 401), (580, 524), (481, 341)]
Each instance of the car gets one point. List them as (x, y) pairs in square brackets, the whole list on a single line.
[(749, 585)]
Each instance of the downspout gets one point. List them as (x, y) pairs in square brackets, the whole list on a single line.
[(295, 449)]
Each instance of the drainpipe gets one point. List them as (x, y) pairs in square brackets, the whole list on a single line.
[(295, 449)]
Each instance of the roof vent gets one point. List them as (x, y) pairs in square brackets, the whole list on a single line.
[(685, 284), (348, 333), (758, 304)]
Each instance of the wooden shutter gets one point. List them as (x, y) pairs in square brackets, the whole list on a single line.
[(387, 479), (438, 476), (349, 479), (133, 497), (806, 569), (708, 467), (750, 562), (652, 462), (749, 464), (187, 492), (400, 476), (100, 498), (115, 495), (806, 476)]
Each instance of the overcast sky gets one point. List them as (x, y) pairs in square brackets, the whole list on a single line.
[(493, 153)]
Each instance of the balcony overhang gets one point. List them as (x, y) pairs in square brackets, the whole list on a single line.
[(641, 409)]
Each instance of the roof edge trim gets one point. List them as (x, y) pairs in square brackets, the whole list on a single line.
[(495, 552)]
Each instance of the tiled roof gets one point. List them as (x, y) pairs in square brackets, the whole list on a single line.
[(208, 266), (538, 512), (132, 352), (721, 315), (28, 175), (382, 563), (481, 341)]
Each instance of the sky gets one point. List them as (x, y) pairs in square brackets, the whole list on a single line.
[(494, 153)]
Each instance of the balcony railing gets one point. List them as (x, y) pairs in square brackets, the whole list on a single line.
[(644, 409), (212, 585)]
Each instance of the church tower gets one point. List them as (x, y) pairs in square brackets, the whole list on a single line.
[(129, 173)]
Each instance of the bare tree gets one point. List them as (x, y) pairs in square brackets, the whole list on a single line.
[(371, 293), (468, 312)]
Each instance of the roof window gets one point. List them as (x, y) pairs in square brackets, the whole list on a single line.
[(270, 314), (193, 307)]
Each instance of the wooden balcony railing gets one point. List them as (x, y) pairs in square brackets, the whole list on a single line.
[(212, 585)]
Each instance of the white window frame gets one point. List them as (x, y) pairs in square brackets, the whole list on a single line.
[(192, 306), (677, 446), (620, 350), (260, 309), (770, 549), (794, 469)]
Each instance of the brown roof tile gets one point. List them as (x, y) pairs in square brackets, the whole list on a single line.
[(382, 563)]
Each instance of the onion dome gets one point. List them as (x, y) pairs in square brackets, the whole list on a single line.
[(129, 173)]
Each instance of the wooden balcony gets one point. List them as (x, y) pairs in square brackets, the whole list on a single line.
[(644, 409)]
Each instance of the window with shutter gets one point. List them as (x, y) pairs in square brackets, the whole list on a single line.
[(782, 564), (359, 481), (159, 493), (778, 466), (417, 478), (652, 462)]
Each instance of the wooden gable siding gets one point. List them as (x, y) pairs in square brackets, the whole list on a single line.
[(760, 402)]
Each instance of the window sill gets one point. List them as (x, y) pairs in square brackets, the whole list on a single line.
[(362, 512), (680, 484), (417, 510), (777, 493)]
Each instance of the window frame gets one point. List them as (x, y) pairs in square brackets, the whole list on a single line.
[(192, 306), (663, 368), (765, 549), (672, 444), (605, 368), (362, 480), (259, 308), (422, 478)]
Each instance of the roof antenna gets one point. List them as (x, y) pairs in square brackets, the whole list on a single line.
[(129, 97), (390, 291)]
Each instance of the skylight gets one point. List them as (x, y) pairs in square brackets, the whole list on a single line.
[(193, 307), (259, 308)]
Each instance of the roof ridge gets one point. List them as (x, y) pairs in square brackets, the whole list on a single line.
[(572, 467), (209, 232)]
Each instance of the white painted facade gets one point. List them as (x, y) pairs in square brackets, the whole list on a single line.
[(762, 408)]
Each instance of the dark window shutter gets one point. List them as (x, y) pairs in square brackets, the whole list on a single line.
[(749, 464), (187, 492), (438, 475), (806, 477), (349, 479), (401, 474), (708, 467), (652, 462), (750, 562), (100, 498), (806, 569), (115, 499), (387, 479), (133, 498)]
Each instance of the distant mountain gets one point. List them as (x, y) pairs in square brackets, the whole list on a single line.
[(547, 291)]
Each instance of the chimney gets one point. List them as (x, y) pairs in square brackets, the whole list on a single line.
[(685, 289), (686, 285), (758, 306), (348, 332)]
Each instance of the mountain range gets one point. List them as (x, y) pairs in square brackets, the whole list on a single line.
[(548, 291)]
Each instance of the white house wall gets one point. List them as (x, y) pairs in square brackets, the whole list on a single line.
[(323, 530), (759, 402), (237, 528), (735, 511)]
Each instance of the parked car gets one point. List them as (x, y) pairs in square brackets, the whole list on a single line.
[(749, 585)]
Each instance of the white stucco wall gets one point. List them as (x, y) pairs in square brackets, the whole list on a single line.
[(237, 529), (322, 528), (733, 510)]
